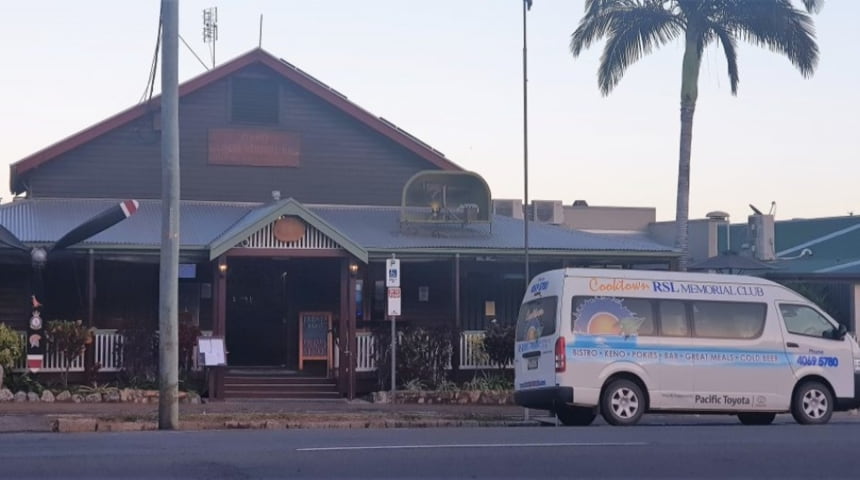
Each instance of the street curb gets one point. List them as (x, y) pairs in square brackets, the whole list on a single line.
[(92, 424)]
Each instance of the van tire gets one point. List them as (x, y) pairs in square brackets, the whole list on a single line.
[(622, 402), (812, 403), (756, 418), (575, 416)]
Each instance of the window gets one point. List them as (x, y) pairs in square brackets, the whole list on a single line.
[(673, 319), (254, 100), (612, 316), (803, 320), (728, 319), (537, 318)]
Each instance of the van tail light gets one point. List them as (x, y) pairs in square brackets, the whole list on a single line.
[(560, 355)]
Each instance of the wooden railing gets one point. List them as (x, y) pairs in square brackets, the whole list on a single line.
[(108, 355)]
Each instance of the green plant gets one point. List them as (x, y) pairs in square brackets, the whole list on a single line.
[(499, 343), (188, 333), (22, 382), (414, 385), (423, 354), (489, 382), (69, 339), (139, 354), (11, 350)]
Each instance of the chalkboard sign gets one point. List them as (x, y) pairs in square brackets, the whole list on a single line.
[(314, 339)]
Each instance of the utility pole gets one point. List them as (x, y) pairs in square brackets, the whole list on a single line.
[(527, 5), (168, 338)]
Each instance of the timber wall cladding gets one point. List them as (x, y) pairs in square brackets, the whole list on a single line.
[(340, 160)]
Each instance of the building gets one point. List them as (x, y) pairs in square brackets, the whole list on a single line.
[(292, 198)]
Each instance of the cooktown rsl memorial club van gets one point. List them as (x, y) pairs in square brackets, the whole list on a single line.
[(623, 342)]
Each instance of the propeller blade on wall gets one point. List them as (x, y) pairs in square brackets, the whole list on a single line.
[(97, 224), (8, 239)]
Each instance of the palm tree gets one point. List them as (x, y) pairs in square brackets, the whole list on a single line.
[(634, 28)]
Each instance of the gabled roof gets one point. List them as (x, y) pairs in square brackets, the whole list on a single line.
[(261, 216), (256, 56)]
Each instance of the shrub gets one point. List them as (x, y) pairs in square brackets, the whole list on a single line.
[(139, 353), (499, 344), (69, 340), (423, 354), (11, 349), (188, 333)]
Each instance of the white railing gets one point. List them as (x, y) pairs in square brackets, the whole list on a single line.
[(108, 355), (364, 356), (472, 355)]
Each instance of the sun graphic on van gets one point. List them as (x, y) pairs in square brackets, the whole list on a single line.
[(605, 316)]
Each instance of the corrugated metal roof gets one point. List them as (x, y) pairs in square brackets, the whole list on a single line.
[(46, 220), (373, 228), (378, 228)]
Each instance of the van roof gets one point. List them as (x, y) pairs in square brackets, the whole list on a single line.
[(666, 275)]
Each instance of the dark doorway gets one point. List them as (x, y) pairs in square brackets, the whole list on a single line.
[(264, 299)]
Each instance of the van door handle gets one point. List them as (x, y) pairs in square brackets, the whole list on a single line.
[(533, 353), (792, 345)]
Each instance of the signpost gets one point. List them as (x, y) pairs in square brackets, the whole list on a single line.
[(392, 281)]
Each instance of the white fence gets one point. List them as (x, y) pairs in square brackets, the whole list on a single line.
[(472, 355), (108, 354)]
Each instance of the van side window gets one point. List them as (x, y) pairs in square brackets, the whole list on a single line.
[(803, 320), (612, 316), (673, 319), (728, 319)]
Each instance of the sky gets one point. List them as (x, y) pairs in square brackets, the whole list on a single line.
[(451, 74)]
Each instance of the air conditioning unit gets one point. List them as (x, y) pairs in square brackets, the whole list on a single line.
[(508, 208), (548, 211)]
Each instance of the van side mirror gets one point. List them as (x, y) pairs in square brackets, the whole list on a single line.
[(840, 332)]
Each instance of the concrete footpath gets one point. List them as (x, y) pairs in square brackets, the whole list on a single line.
[(275, 414), (283, 414)]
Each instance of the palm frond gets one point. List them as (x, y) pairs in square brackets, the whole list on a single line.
[(730, 49), (813, 6), (632, 33), (776, 25)]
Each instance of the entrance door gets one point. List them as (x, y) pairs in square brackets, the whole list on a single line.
[(255, 315)]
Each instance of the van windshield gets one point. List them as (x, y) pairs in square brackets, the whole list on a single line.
[(537, 319)]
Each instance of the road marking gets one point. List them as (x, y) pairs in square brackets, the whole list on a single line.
[(475, 445)]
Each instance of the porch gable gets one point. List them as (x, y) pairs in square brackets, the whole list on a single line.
[(284, 224)]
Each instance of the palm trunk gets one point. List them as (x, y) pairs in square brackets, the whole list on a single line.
[(689, 93)]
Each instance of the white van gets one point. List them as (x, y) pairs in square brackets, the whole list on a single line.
[(625, 342)]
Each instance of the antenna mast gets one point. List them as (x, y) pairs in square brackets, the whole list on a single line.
[(210, 29)]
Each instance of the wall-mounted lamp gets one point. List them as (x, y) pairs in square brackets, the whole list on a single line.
[(353, 268), (222, 268)]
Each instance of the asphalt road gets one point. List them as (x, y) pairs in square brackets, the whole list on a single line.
[(718, 448)]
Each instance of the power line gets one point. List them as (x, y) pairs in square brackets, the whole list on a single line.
[(153, 68), (194, 53)]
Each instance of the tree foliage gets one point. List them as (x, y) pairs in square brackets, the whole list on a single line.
[(69, 339), (634, 28)]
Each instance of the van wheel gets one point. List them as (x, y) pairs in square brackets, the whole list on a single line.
[(575, 416), (622, 403), (812, 404), (756, 418)]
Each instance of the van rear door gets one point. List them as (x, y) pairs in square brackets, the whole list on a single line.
[(534, 355)]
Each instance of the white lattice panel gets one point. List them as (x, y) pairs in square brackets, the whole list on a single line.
[(313, 239)]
